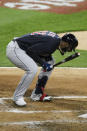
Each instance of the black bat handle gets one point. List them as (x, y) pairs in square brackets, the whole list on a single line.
[(67, 59)]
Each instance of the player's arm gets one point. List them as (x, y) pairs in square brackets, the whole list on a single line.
[(40, 49)]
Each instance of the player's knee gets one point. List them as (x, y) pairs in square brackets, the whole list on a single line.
[(34, 70)]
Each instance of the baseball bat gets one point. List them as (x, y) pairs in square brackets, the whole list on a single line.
[(73, 56)]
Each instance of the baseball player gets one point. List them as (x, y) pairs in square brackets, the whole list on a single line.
[(29, 50)]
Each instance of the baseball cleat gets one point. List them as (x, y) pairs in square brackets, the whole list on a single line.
[(45, 97), (20, 102), (35, 97), (40, 97)]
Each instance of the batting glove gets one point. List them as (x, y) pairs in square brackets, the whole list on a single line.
[(47, 67)]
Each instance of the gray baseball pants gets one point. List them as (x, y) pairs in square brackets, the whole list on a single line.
[(19, 57)]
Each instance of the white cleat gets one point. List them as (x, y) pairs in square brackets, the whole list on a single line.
[(46, 98), (35, 97), (20, 102), (40, 97)]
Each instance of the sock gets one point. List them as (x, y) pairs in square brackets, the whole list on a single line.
[(41, 85)]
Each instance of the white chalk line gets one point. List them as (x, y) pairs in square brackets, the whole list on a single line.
[(34, 123), (69, 97), (55, 97), (4, 98), (14, 110), (52, 111)]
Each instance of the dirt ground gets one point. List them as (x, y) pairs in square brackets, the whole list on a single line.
[(61, 114)]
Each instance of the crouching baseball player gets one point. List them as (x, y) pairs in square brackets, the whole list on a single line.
[(36, 48)]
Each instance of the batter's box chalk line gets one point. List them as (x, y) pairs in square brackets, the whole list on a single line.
[(14, 110), (55, 97), (4, 98), (69, 97), (34, 123)]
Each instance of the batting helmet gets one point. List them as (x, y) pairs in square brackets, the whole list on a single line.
[(71, 39)]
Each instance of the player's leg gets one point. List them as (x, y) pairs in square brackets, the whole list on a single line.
[(23, 61), (38, 92)]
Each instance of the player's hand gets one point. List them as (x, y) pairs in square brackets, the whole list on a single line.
[(47, 67)]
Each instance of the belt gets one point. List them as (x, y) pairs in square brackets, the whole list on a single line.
[(13, 40)]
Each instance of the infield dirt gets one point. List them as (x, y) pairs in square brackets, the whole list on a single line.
[(58, 115)]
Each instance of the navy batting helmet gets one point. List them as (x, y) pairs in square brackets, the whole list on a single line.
[(71, 39)]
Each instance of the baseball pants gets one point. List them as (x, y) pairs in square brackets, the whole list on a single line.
[(19, 57)]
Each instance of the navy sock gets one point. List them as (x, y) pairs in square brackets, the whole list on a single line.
[(41, 85)]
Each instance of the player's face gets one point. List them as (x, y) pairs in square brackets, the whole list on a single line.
[(64, 47)]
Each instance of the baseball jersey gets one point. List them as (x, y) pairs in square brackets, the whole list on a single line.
[(39, 44)]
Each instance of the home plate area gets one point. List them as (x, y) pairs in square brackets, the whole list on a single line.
[(66, 112), (38, 115)]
